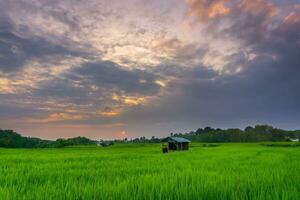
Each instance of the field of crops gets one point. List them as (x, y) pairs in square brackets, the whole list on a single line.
[(228, 171)]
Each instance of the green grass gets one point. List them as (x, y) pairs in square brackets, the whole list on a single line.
[(281, 144), (228, 171)]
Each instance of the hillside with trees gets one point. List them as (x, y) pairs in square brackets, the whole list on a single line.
[(258, 133), (11, 139)]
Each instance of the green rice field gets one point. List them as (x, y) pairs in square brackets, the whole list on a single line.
[(228, 171)]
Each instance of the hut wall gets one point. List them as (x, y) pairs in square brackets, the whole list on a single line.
[(185, 146), (180, 146), (172, 146)]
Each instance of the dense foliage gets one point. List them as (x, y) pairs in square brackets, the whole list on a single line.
[(11, 139), (73, 141), (258, 133)]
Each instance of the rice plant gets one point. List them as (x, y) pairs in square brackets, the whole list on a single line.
[(227, 171)]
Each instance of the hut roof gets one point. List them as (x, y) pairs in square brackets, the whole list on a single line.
[(175, 139)]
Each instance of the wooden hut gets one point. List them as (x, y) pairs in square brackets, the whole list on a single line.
[(175, 144), (294, 140), (105, 143)]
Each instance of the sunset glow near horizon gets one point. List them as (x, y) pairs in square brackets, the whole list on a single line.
[(131, 68)]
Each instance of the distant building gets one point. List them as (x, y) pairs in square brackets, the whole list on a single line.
[(105, 143), (294, 140), (175, 144)]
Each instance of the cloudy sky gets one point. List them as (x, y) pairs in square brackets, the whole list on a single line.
[(113, 69)]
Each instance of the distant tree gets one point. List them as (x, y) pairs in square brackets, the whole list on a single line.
[(199, 131), (263, 129), (248, 128), (208, 129)]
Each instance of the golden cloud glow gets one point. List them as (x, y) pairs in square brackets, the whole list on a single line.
[(217, 10), (131, 100), (57, 117), (5, 86), (160, 83), (8, 86), (109, 113), (115, 97)]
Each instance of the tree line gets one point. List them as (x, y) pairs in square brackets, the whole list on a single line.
[(258, 133), (11, 139)]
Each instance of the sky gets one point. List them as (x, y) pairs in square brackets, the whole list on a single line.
[(131, 68)]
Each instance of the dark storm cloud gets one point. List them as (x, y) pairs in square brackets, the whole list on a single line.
[(61, 88), (275, 42), (46, 8), (16, 50), (71, 93), (11, 111), (109, 74), (94, 84), (254, 96), (90, 81)]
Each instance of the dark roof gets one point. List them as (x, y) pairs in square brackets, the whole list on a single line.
[(175, 139)]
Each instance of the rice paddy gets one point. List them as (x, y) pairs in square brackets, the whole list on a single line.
[(227, 171)]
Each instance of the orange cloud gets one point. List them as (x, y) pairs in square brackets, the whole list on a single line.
[(109, 112), (133, 101), (161, 83), (294, 16), (208, 9), (259, 6), (13, 86), (130, 100), (217, 10), (57, 117), (5, 86), (213, 9)]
